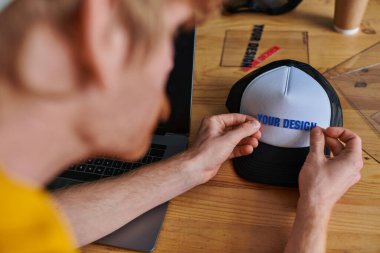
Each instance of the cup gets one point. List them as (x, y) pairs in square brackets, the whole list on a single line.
[(348, 15)]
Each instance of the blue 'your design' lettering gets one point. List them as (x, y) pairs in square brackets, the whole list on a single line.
[(285, 123)]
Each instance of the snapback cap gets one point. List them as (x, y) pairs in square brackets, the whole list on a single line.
[(288, 98)]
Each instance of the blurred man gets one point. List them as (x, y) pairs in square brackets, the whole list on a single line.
[(67, 67)]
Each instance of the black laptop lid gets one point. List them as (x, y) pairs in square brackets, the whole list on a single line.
[(179, 87)]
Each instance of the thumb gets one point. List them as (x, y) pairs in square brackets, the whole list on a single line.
[(244, 130), (317, 142)]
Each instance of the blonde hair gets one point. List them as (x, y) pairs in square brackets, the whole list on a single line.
[(141, 18)]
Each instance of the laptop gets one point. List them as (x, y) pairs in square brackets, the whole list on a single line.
[(169, 139)]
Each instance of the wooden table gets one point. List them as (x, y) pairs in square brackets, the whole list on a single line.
[(229, 214)]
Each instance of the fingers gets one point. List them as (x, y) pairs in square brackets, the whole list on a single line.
[(246, 129), (334, 144), (241, 151), (250, 140), (317, 142), (257, 135), (353, 148), (352, 140), (233, 119)]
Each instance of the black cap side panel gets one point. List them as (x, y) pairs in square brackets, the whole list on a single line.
[(272, 165)]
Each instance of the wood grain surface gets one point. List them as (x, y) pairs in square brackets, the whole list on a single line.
[(229, 214)]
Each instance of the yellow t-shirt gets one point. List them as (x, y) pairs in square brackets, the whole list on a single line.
[(29, 222)]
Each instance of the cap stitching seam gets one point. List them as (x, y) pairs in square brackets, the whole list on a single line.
[(287, 81)]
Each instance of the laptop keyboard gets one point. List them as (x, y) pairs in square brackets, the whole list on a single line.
[(102, 167)]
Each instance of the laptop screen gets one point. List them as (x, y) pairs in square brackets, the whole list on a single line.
[(180, 84)]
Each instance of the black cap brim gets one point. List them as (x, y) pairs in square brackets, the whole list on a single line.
[(272, 165)]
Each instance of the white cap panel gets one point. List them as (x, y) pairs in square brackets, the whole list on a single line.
[(288, 103)]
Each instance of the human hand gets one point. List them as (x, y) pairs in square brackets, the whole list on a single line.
[(222, 137), (323, 180)]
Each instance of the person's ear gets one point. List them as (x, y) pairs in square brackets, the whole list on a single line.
[(45, 63), (96, 17)]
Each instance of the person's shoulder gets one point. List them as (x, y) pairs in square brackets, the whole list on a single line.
[(29, 221)]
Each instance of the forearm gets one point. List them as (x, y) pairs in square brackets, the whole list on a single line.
[(309, 230), (98, 208)]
